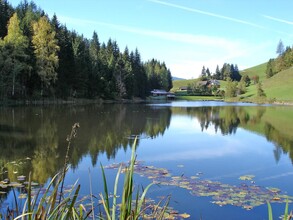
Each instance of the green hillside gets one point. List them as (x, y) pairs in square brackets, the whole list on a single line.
[(179, 83), (277, 88), (280, 86), (259, 70)]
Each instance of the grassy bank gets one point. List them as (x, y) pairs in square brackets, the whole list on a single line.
[(199, 98)]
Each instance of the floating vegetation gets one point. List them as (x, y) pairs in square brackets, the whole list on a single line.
[(246, 177), (246, 195)]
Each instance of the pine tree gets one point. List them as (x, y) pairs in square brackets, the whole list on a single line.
[(280, 48), (270, 67), (218, 74), (208, 73), (45, 49), (203, 73), (6, 12), (260, 91), (66, 68)]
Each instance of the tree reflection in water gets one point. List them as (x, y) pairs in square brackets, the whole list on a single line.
[(40, 132)]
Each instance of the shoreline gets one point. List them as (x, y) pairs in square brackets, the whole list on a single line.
[(76, 101)]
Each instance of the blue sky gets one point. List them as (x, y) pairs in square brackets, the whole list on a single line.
[(185, 34)]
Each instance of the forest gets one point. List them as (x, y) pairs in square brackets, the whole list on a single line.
[(40, 58)]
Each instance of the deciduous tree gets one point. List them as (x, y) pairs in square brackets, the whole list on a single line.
[(45, 48), (16, 43)]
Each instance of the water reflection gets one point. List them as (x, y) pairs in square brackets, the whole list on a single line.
[(40, 133)]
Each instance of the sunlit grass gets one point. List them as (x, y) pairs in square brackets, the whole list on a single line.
[(199, 98)]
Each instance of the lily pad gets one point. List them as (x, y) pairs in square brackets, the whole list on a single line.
[(246, 195), (246, 177)]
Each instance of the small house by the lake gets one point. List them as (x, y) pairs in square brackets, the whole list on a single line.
[(162, 94)]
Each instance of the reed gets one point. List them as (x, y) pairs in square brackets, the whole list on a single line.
[(286, 216), (132, 205), (46, 205)]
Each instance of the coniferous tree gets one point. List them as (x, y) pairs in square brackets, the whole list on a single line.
[(6, 12), (269, 70), (208, 73), (82, 66), (260, 91), (203, 73), (140, 76), (158, 76), (226, 71), (94, 77), (280, 48), (66, 69), (218, 74), (71, 65)]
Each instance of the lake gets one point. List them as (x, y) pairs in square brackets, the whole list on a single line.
[(219, 160)]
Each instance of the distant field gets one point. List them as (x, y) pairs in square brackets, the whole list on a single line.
[(179, 83)]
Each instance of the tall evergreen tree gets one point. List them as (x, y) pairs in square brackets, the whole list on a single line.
[(270, 68), (66, 67), (218, 74), (140, 77), (6, 12), (280, 48), (94, 89), (203, 73), (208, 73), (260, 92), (82, 63)]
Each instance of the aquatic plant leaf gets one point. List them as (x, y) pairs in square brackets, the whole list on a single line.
[(246, 195), (22, 196), (21, 178), (184, 215), (246, 177), (15, 184), (273, 189)]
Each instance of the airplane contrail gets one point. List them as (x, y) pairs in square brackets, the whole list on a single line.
[(206, 13)]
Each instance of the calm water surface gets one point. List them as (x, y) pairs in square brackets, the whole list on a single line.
[(209, 141)]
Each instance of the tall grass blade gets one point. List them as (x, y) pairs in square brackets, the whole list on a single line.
[(270, 211), (164, 209), (53, 197), (15, 200), (44, 197), (105, 207), (286, 210), (125, 209), (115, 193), (29, 196), (141, 200), (105, 190), (71, 206), (91, 194)]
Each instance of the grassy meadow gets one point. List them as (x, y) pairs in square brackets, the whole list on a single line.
[(277, 88)]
